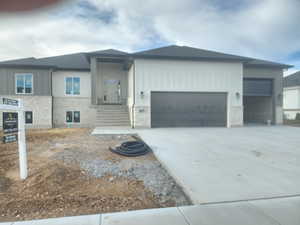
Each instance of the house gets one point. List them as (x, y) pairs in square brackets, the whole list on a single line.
[(291, 93), (172, 86)]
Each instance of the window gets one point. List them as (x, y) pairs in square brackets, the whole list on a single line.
[(24, 83), (73, 117), (73, 85), (28, 117)]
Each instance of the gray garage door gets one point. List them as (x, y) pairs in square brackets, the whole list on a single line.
[(188, 109), (258, 87)]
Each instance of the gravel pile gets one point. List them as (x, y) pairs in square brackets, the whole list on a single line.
[(154, 176)]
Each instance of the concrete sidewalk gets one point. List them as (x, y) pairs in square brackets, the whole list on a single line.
[(281, 211)]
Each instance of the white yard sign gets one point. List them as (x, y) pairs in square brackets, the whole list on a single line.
[(17, 106)]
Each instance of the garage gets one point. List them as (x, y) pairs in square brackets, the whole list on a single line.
[(258, 101), (188, 109)]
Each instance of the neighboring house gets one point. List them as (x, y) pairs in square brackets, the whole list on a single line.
[(291, 95), (164, 87)]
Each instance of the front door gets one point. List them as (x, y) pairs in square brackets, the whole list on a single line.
[(112, 92)]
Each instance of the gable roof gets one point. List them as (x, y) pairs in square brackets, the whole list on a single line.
[(292, 80), (80, 61)]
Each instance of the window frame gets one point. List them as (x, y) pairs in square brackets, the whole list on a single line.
[(72, 86), (31, 117), (32, 83), (72, 117)]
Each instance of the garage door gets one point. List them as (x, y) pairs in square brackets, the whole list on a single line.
[(186, 109), (258, 87)]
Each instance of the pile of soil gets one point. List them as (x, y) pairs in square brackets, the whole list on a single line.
[(61, 182)]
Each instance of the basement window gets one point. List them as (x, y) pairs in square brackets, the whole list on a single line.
[(28, 117), (73, 116)]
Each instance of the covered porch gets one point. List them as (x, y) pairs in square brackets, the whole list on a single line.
[(109, 80)]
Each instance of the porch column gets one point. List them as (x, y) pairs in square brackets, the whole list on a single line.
[(94, 75)]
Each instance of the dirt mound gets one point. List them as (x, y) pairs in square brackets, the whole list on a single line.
[(4, 183), (52, 179)]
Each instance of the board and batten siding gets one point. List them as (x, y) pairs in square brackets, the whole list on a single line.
[(276, 74), (187, 76), (41, 81)]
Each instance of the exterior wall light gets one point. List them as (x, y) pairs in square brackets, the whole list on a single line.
[(142, 94), (238, 95)]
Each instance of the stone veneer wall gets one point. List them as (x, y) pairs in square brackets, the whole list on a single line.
[(41, 107), (62, 104)]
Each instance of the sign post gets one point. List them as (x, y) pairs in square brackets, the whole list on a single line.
[(15, 122)]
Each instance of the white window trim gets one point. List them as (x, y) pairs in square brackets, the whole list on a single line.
[(16, 89), (72, 91), (72, 117)]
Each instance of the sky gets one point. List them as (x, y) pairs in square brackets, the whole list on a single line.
[(265, 29)]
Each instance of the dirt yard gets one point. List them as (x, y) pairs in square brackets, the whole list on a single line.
[(73, 173)]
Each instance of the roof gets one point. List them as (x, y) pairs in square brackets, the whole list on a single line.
[(77, 61), (292, 80), (265, 63), (184, 52), (25, 62), (80, 61), (108, 52)]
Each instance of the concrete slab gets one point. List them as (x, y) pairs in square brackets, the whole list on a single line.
[(76, 220), (145, 217), (226, 214), (286, 210), (113, 131), (221, 164)]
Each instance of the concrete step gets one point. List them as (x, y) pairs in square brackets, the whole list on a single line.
[(112, 124), (113, 116)]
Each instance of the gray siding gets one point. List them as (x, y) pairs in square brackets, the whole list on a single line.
[(272, 73), (276, 74), (41, 81)]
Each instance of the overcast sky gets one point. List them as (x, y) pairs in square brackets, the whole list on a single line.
[(267, 29)]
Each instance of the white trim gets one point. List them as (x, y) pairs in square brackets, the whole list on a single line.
[(72, 91), (21, 136), (69, 123), (16, 89)]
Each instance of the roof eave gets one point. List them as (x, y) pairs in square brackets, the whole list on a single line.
[(281, 66)]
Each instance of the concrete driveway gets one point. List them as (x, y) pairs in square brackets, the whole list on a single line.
[(220, 164)]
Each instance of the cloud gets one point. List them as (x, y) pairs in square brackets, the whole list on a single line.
[(257, 28)]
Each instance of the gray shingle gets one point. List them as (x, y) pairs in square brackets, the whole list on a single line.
[(181, 52), (292, 80), (80, 61)]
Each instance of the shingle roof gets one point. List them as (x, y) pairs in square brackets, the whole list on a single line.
[(25, 62), (80, 61), (184, 52), (77, 61), (292, 80), (259, 62), (111, 52)]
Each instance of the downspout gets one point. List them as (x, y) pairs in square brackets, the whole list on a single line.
[(133, 105)]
